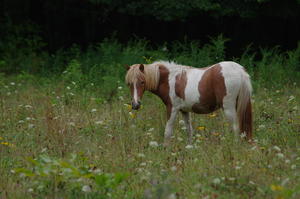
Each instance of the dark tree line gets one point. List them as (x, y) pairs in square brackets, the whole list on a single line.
[(64, 22)]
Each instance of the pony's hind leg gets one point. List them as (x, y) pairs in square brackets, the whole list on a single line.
[(188, 124), (231, 116)]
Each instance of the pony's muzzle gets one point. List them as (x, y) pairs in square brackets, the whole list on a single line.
[(136, 106)]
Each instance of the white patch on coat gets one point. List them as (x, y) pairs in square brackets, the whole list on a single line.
[(135, 95)]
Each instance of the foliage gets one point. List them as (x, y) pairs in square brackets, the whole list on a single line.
[(170, 10), (47, 175)]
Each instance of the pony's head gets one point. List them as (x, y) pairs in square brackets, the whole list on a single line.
[(139, 78)]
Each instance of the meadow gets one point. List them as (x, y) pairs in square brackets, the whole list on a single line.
[(67, 130)]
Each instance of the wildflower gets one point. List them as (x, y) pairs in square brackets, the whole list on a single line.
[(28, 106), (30, 190), (153, 144), (151, 129), (179, 139), (183, 128), (287, 161), (121, 98), (141, 155), (99, 122), (93, 110), (280, 155), (12, 83), (293, 166), (238, 167), (212, 115), (68, 87), (4, 143), (216, 133), (276, 187), (276, 148), (231, 178), (71, 123), (181, 122), (216, 181), (143, 164), (243, 135), (120, 87), (86, 188), (30, 126), (132, 114), (291, 98), (74, 83), (201, 128), (251, 182), (189, 146), (173, 168)]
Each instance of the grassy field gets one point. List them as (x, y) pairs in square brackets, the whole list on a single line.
[(58, 141)]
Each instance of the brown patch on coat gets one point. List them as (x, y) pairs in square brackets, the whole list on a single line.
[(180, 84), (212, 91), (163, 89)]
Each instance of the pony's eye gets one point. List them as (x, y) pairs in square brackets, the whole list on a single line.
[(142, 83)]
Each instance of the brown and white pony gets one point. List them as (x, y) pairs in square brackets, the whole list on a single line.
[(200, 90)]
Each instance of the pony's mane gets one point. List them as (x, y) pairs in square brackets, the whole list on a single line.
[(150, 75)]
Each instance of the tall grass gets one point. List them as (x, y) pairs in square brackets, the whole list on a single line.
[(66, 131)]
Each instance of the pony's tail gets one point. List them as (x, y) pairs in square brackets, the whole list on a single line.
[(244, 107)]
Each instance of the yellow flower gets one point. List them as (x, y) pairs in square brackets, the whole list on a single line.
[(201, 128), (276, 187), (216, 133), (290, 121), (129, 107), (4, 143), (212, 115), (132, 114)]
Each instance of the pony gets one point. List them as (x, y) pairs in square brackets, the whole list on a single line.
[(188, 89)]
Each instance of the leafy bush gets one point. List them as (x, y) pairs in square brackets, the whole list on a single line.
[(56, 176)]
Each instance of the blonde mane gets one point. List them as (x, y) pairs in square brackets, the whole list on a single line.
[(150, 75)]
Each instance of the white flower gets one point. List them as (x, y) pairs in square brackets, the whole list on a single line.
[(251, 182), (231, 178), (179, 139), (181, 122), (173, 168), (153, 144), (216, 181), (99, 122), (293, 166), (276, 148), (143, 164), (12, 83), (71, 123), (287, 161), (74, 83), (189, 146), (28, 106), (86, 188), (151, 129), (141, 155), (68, 87), (93, 110), (30, 190), (120, 87), (280, 155), (30, 126), (237, 167)]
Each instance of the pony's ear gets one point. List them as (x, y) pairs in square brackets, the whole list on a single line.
[(127, 66), (142, 67)]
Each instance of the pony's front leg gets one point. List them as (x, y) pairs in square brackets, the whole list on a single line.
[(188, 124), (171, 113)]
